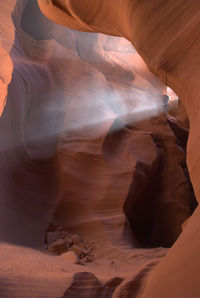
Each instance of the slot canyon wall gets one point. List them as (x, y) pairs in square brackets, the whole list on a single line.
[(88, 144)]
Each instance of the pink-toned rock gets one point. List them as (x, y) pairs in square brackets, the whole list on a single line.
[(70, 256), (68, 241), (78, 250), (76, 239), (71, 143), (58, 246)]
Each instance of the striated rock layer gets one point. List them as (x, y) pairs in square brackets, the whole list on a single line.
[(166, 35), (85, 144)]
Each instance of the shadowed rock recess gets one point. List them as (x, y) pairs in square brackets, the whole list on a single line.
[(99, 159)]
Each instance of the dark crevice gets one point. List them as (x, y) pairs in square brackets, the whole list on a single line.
[(156, 218)]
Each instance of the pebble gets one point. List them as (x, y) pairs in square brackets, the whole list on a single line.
[(58, 246), (87, 259), (70, 247), (76, 239), (63, 234), (68, 242), (70, 256), (78, 251)]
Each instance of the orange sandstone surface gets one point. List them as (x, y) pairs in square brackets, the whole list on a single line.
[(96, 198)]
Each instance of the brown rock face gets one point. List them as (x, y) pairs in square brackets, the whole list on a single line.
[(6, 41), (166, 35), (86, 285), (87, 145)]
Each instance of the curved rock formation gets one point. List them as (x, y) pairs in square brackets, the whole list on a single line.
[(166, 36), (84, 143), (6, 42), (85, 284)]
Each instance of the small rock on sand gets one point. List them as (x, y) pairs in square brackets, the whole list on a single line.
[(71, 257), (76, 239), (78, 251), (58, 246), (68, 242)]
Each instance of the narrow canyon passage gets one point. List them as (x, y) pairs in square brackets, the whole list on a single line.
[(88, 146)]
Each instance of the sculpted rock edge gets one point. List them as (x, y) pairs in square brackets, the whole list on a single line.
[(80, 151), (166, 35)]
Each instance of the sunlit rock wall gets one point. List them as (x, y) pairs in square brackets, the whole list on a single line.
[(84, 137), (166, 35)]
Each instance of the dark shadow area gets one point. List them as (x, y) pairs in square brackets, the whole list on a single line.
[(155, 206)]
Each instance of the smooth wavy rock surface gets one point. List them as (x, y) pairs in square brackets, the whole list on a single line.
[(6, 42), (166, 34), (85, 144)]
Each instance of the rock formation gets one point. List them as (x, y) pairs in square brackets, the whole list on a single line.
[(166, 36), (87, 145)]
